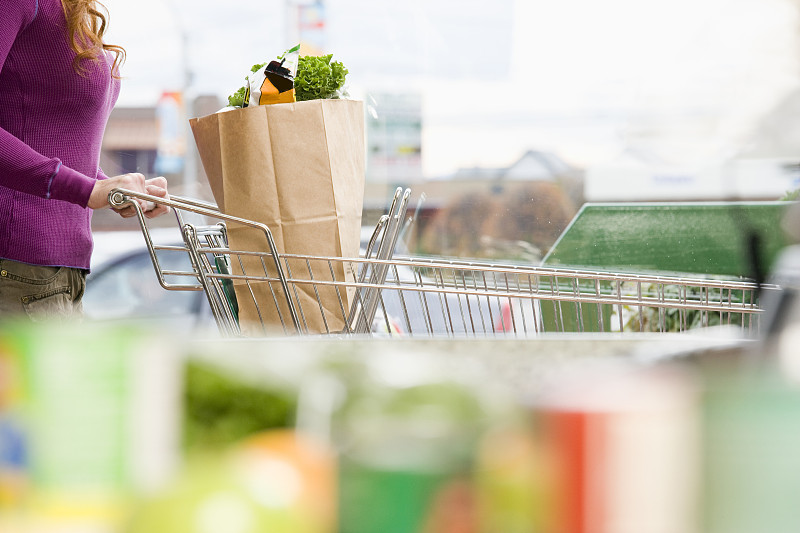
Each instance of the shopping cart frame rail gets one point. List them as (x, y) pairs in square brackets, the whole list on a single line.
[(422, 296), (120, 198)]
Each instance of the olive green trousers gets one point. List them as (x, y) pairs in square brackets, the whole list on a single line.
[(41, 293)]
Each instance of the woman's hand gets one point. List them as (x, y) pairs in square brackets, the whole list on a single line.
[(157, 187), (133, 182)]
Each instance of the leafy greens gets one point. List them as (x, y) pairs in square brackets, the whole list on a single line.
[(317, 78)]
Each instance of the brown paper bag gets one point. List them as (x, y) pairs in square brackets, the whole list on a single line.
[(299, 169)]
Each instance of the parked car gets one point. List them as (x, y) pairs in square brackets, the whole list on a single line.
[(123, 285)]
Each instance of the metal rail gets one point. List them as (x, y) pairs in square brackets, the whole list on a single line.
[(264, 292)]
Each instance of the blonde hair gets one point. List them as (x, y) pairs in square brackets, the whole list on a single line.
[(87, 21)]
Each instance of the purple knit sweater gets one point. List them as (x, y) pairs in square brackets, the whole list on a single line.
[(51, 128)]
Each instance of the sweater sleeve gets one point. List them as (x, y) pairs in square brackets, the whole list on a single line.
[(16, 17), (21, 167)]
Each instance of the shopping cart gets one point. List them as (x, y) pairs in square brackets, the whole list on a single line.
[(295, 294)]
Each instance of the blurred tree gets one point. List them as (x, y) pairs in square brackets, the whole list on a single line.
[(521, 222), (456, 229), (536, 213), (791, 196)]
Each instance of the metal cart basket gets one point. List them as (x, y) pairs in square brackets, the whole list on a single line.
[(393, 295)]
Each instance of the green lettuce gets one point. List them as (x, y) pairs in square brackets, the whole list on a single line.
[(319, 78)]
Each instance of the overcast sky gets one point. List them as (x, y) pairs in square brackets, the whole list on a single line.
[(496, 77)]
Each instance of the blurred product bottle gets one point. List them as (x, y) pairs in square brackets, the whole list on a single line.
[(514, 480), (277, 481), (406, 452), (626, 452), (751, 465), (751, 416)]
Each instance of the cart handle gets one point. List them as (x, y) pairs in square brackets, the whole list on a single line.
[(119, 198)]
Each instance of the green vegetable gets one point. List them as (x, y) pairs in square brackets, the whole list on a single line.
[(318, 78), (220, 409), (237, 98)]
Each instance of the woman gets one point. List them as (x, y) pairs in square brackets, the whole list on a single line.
[(58, 84)]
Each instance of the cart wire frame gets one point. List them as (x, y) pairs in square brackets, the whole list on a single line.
[(411, 296)]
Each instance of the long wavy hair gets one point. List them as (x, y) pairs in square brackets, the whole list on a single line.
[(87, 21)]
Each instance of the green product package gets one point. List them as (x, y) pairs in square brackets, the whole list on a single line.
[(93, 436), (751, 465)]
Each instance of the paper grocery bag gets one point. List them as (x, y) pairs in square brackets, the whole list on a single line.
[(298, 168)]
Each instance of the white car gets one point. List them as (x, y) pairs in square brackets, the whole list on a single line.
[(123, 284)]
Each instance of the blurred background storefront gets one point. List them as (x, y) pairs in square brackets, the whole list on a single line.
[(475, 105)]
